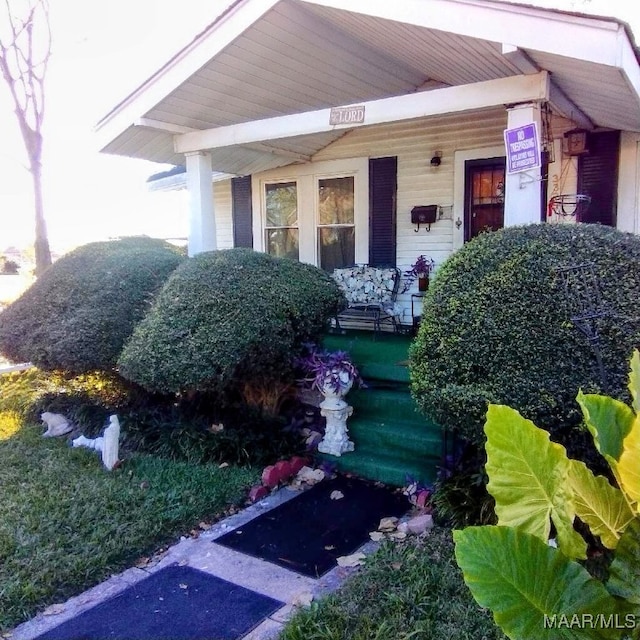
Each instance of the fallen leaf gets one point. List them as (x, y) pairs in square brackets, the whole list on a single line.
[(399, 535), (302, 599), (330, 547), (354, 560), (388, 524), (376, 536), (336, 495), (53, 610), (223, 465), (396, 565), (204, 526), (182, 585), (142, 562), (216, 428)]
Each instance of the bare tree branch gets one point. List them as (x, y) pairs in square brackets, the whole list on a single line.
[(24, 57)]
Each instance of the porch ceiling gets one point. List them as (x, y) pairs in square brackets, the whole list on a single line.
[(302, 56)]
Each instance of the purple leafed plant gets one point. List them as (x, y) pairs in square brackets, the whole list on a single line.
[(420, 268), (327, 367)]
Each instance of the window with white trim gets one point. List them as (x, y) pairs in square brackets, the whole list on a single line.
[(281, 228), (336, 223)]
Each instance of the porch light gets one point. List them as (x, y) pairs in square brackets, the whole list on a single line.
[(436, 160), (576, 142)]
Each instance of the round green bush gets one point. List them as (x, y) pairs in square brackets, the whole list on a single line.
[(79, 313), (496, 326), (229, 319)]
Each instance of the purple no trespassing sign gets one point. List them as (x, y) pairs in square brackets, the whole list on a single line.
[(523, 149)]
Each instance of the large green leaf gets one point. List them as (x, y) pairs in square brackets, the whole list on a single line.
[(634, 380), (528, 478), (597, 503), (608, 420), (624, 573), (627, 468), (533, 590)]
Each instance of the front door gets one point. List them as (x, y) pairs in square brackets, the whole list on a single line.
[(484, 196)]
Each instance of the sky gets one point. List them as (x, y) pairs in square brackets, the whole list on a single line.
[(102, 51)]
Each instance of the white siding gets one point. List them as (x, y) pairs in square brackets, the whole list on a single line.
[(415, 143), (222, 208)]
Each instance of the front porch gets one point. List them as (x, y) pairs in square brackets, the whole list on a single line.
[(392, 439)]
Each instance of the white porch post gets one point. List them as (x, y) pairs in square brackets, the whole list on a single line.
[(202, 221), (523, 199)]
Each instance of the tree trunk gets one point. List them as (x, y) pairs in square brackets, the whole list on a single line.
[(41, 245)]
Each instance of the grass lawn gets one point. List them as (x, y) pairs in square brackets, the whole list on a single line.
[(66, 523), (409, 590)]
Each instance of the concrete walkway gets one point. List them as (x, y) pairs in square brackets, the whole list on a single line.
[(201, 553)]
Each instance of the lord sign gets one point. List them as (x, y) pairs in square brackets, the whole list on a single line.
[(523, 148)]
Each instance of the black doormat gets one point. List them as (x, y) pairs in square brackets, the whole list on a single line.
[(176, 603), (308, 533)]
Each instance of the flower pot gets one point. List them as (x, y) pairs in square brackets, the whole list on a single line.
[(423, 282), (334, 394)]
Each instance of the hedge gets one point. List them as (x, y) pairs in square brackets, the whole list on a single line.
[(229, 319), (496, 326), (77, 316)]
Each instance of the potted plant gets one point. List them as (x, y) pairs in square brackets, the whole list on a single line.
[(420, 269), (333, 374), (330, 372)]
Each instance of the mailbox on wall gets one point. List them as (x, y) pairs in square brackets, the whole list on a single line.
[(424, 214)]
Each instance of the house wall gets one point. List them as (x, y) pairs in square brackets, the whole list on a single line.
[(222, 208), (415, 143)]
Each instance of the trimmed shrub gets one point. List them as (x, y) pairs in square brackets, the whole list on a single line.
[(78, 314), (496, 327), (231, 319)]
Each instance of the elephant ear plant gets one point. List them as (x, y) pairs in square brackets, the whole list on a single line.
[(534, 583)]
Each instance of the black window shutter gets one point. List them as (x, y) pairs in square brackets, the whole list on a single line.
[(241, 212), (382, 211), (598, 177)]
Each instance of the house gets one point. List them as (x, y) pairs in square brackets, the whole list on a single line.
[(326, 124)]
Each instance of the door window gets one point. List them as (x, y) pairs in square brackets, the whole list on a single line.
[(485, 199)]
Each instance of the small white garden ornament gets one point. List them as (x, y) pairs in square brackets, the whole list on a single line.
[(107, 444), (57, 424)]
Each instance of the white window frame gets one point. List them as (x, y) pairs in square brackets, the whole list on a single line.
[(307, 176), (264, 209)]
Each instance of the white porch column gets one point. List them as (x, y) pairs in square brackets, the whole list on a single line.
[(523, 199), (202, 221)]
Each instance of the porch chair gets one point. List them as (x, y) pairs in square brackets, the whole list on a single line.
[(371, 293)]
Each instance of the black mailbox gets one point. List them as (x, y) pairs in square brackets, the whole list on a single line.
[(424, 214)]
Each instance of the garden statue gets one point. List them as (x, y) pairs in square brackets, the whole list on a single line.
[(107, 444), (111, 443), (57, 425)]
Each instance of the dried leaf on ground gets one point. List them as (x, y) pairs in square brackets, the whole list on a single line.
[(336, 495), (354, 560), (53, 610)]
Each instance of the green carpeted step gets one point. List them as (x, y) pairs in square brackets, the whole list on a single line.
[(381, 357), (387, 401), (385, 468), (402, 440)]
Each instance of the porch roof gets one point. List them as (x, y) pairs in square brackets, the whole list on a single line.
[(265, 59)]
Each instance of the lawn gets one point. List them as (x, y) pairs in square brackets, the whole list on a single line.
[(66, 523), (407, 590)]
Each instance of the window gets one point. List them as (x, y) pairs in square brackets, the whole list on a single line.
[(336, 223), (281, 229)]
